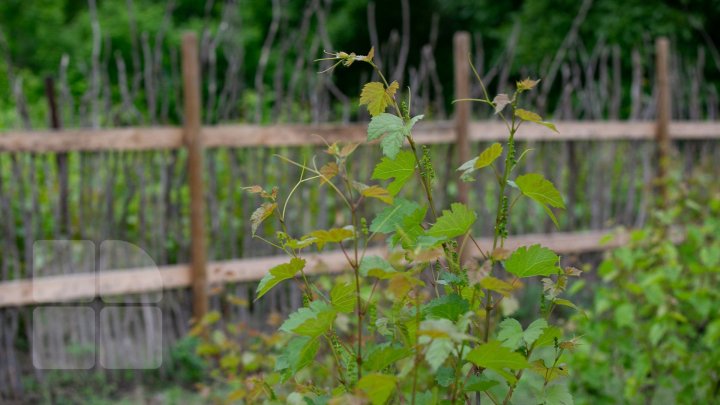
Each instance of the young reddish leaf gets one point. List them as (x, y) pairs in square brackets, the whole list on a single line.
[(260, 214), (371, 53), (527, 84), (328, 171), (500, 101), (379, 193), (254, 189), (348, 149)]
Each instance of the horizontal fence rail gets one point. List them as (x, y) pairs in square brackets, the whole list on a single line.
[(72, 287), (241, 136)]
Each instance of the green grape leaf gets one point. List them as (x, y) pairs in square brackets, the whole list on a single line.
[(376, 266), (401, 169), (534, 331), (411, 229), (532, 261), (304, 242), (298, 353), (625, 315), (533, 117), (486, 158), (391, 145), (478, 383), (277, 274), (262, 213), (510, 333), (385, 355), (556, 394), (427, 241), (444, 376), (378, 387), (310, 321), (450, 307), (565, 303), (453, 223), (377, 97), (548, 336), (390, 218), (334, 235), (494, 356), (343, 298), (385, 124), (393, 128), (437, 352), (411, 123), (538, 188), (489, 155)]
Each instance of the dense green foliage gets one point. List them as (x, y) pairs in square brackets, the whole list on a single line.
[(425, 324), (651, 334)]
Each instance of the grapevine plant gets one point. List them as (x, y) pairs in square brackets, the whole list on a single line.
[(417, 326)]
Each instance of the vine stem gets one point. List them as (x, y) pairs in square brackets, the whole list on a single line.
[(341, 378), (356, 269), (417, 345), (359, 318)]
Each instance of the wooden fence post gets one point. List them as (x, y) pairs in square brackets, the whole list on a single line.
[(663, 115), (60, 159), (461, 50), (193, 143)]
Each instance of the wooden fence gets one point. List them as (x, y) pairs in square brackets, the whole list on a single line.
[(200, 275)]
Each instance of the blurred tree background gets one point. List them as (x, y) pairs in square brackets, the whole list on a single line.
[(36, 33)]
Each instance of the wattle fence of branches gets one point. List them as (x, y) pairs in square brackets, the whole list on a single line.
[(137, 179)]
